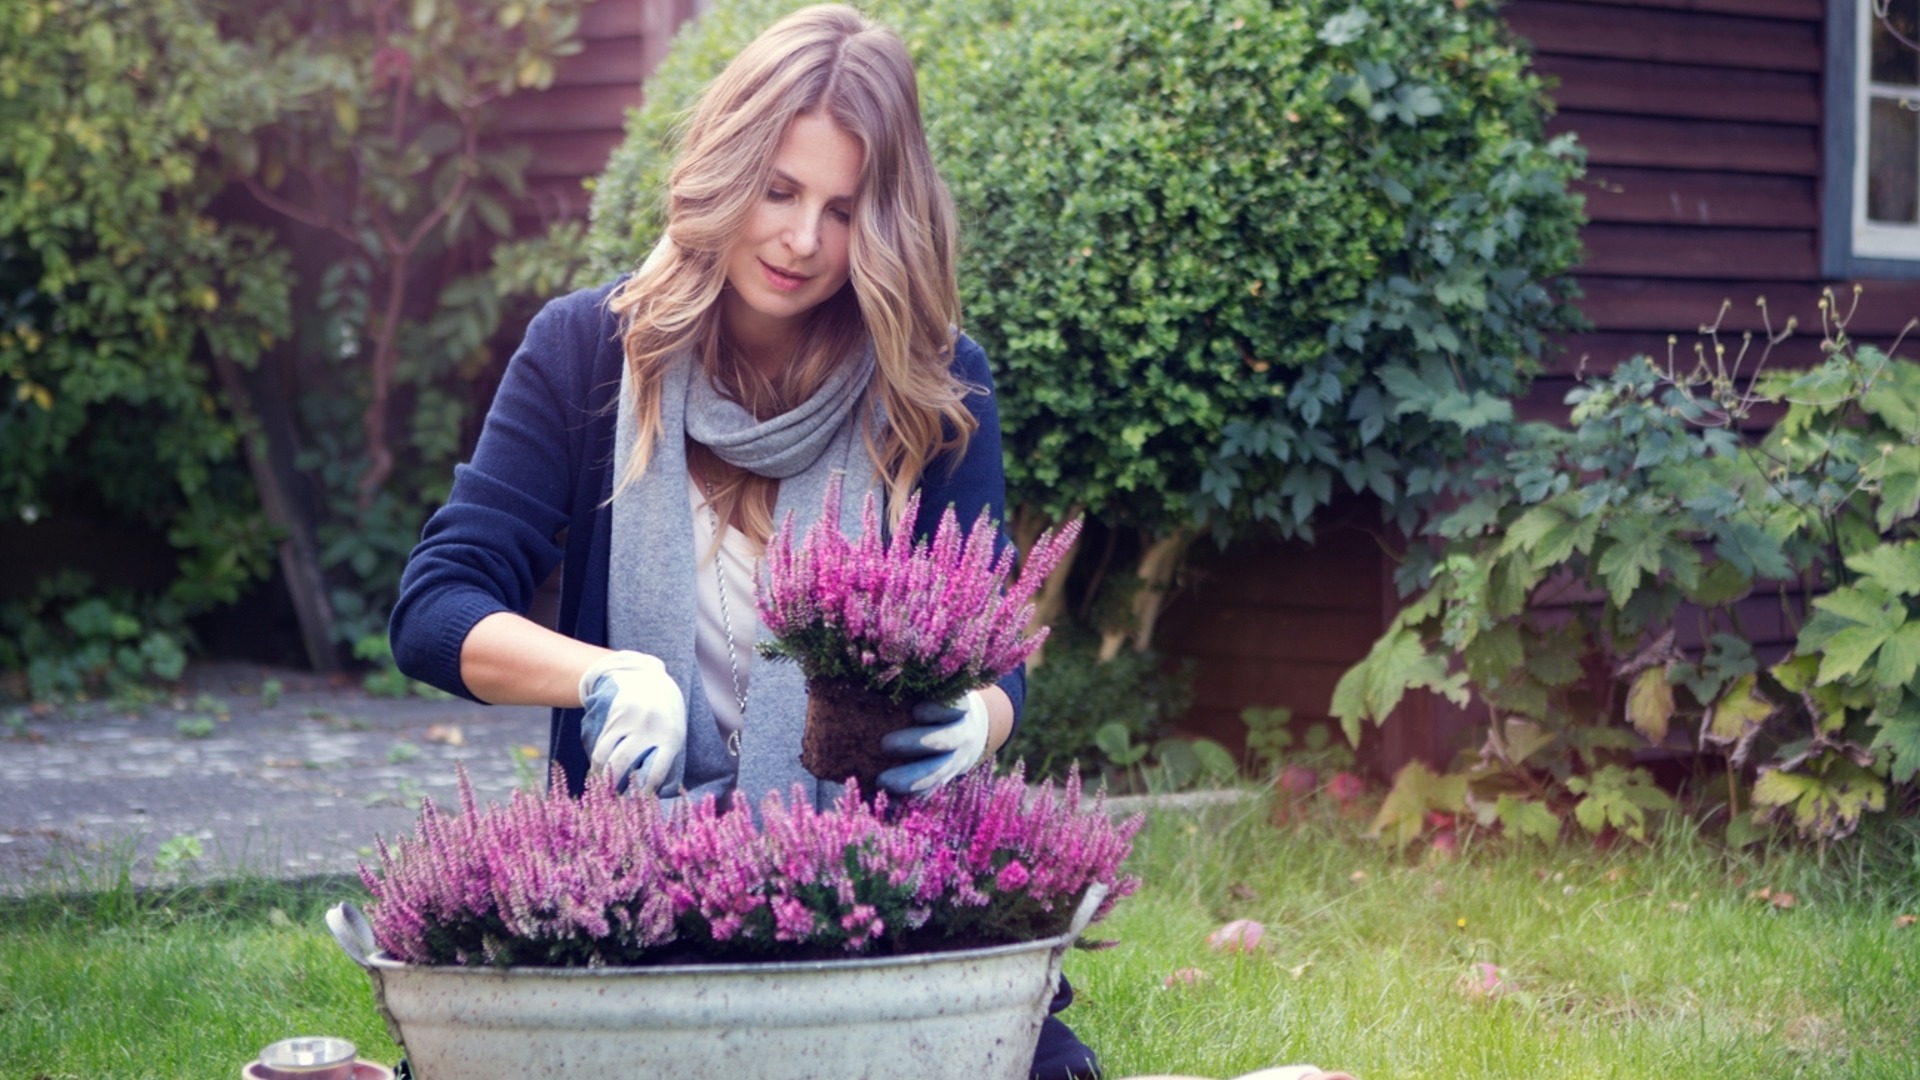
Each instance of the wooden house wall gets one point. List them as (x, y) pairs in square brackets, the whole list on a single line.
[(573, 126), (1703, 123)]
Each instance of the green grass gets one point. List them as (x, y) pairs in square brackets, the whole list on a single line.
[(1636, 962)]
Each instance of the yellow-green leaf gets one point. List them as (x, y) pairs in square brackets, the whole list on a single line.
[(1650, 703), (1739, 709)]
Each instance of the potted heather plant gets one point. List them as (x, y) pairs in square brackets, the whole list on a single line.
[(608, 933), (877, 624)]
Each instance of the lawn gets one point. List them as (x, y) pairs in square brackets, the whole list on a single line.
[(1660, 961)]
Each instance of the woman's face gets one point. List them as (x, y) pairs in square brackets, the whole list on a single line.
[(793, 253)]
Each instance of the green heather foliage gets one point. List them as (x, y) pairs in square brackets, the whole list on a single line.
[(116, 287), (1584, 592), (1227, 257)]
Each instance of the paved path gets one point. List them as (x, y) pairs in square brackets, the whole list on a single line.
[(297, 787)]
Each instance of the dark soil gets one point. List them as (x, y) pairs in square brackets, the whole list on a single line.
[(844, 726)]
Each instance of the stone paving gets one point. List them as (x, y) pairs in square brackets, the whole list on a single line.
[(288, 788)]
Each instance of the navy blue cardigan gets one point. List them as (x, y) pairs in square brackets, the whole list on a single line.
[(533, 498)]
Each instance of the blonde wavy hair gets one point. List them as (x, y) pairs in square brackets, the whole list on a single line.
[(823, 60)]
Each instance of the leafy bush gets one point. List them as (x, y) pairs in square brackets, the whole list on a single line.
[(1225, 256), (1584, 591), (1079, 710), (116, 290), (382, 165)]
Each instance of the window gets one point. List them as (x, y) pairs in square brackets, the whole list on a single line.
[(1871, 210)]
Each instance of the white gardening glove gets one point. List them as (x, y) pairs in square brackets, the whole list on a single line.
[(636, 722), (953, 741)]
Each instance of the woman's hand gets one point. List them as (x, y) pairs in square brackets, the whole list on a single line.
[(636, 722), (952, 738)]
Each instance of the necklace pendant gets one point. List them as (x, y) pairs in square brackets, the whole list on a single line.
[(733, 743)]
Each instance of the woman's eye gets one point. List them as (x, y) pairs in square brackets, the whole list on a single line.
[(843, 216), (777, 195)]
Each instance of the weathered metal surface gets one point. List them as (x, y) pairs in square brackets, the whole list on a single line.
[(970, 1015)]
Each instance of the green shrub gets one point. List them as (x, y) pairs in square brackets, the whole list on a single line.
[(116, 289), (1073, 698), (384, 166), (1584, 592), (1222, 254)]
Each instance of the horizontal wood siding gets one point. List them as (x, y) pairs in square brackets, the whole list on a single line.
[(573, 126), (1702, 121)]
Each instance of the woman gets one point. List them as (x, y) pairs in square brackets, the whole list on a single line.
[(796, 323)]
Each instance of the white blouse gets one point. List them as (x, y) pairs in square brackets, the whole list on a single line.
[(738, 566)]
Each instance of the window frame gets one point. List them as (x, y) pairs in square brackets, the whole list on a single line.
[(1851, 247)]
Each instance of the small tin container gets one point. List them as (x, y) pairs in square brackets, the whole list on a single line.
[(309, 1057)]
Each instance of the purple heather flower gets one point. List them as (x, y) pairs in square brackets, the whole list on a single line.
[(612, 879), (929, 619)]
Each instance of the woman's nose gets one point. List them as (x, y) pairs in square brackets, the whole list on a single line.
[(803, 234)]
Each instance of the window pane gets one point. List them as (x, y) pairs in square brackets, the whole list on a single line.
[(1893, 157), (1894, 61)]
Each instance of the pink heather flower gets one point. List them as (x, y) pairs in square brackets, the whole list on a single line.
[(613, 879), (912, 619), (1012, 876)]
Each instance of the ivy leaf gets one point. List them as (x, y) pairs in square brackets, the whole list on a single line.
[(1898, 733), (1899, 476), (1528, 817), (1523, 739), (1636, 550), (1531, 528), (1417, 790), (1875, 617), (1753, 551), (1899, 658), (1650, 703), (1617, 797), (1738, 711), (1473, 413), (1826, 799), (1893, 567), (1371, 688)]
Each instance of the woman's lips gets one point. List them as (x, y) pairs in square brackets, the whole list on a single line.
[(784, 280)]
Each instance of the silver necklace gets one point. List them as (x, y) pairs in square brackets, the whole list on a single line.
[(726, 622)]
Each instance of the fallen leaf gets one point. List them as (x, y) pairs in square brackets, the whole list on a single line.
[(1901, 922), (1299, 969), (1783, 900), (1345, 787), (1186, 977), (1357, 876), (1614, 874), (1680, 906), (1238, 936), (1484, 980), (1243, 893), (1765, 893), (447, 733), (529, 752)]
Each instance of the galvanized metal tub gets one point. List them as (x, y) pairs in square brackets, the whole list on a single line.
[(968, 1015)]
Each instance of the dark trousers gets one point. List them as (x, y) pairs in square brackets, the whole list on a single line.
[(1060, 1054)]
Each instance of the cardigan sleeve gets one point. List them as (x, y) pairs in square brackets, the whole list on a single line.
[(493, 543), (975, 479)]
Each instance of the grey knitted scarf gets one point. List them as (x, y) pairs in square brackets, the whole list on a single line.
[(651, 606)]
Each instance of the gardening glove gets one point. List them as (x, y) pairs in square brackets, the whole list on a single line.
[(636, 722), (953, 740)]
